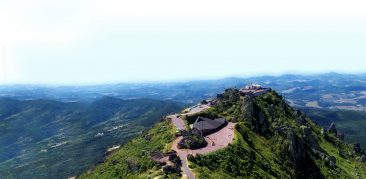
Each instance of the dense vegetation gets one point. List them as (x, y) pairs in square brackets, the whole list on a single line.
[(351, 123), (132, 160), (50, 139), (275, 141), (192, 139)]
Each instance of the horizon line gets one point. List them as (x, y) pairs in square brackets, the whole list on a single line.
[(60, 84)]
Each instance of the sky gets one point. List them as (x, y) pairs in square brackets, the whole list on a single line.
[(106, 41)]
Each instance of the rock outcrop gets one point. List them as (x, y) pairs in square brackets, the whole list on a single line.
[(296, 150), (192, 139), (247, 109), (332, 129), (340, 136), (169, 161), (254, 116), (357, 148), (330, 161), (363, 158)]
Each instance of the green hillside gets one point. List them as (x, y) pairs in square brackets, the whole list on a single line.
[(272, 140), (50, 139), (275, 141), (132, 160), (351, 123)]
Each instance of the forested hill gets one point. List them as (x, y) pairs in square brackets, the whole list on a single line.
[(51, 139), (351, 123)]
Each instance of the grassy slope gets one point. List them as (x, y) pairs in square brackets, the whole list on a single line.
[(240, 159), (132, 160), (259, 156), (352, 123)]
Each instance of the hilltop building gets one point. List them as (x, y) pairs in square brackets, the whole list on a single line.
[(254, 90), (206, 126)]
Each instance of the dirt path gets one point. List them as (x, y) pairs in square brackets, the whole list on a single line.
[(216, 141), (178, 122)]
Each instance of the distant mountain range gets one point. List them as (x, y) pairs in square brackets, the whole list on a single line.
[(51, 139), (330, 91), (59, 131)]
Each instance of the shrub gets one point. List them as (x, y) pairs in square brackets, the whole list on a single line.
[(192, 140)]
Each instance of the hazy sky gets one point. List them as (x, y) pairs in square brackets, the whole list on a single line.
[(89, 41)]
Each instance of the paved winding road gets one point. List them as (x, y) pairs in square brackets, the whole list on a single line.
[(216, 141), (179, 124)]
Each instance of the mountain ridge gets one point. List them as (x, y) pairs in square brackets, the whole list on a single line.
[(272, 140)]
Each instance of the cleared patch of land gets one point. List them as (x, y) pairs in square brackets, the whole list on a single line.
[(313, 104)]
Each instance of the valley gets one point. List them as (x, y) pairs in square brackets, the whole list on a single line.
[(40, 125), (50, 139)]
